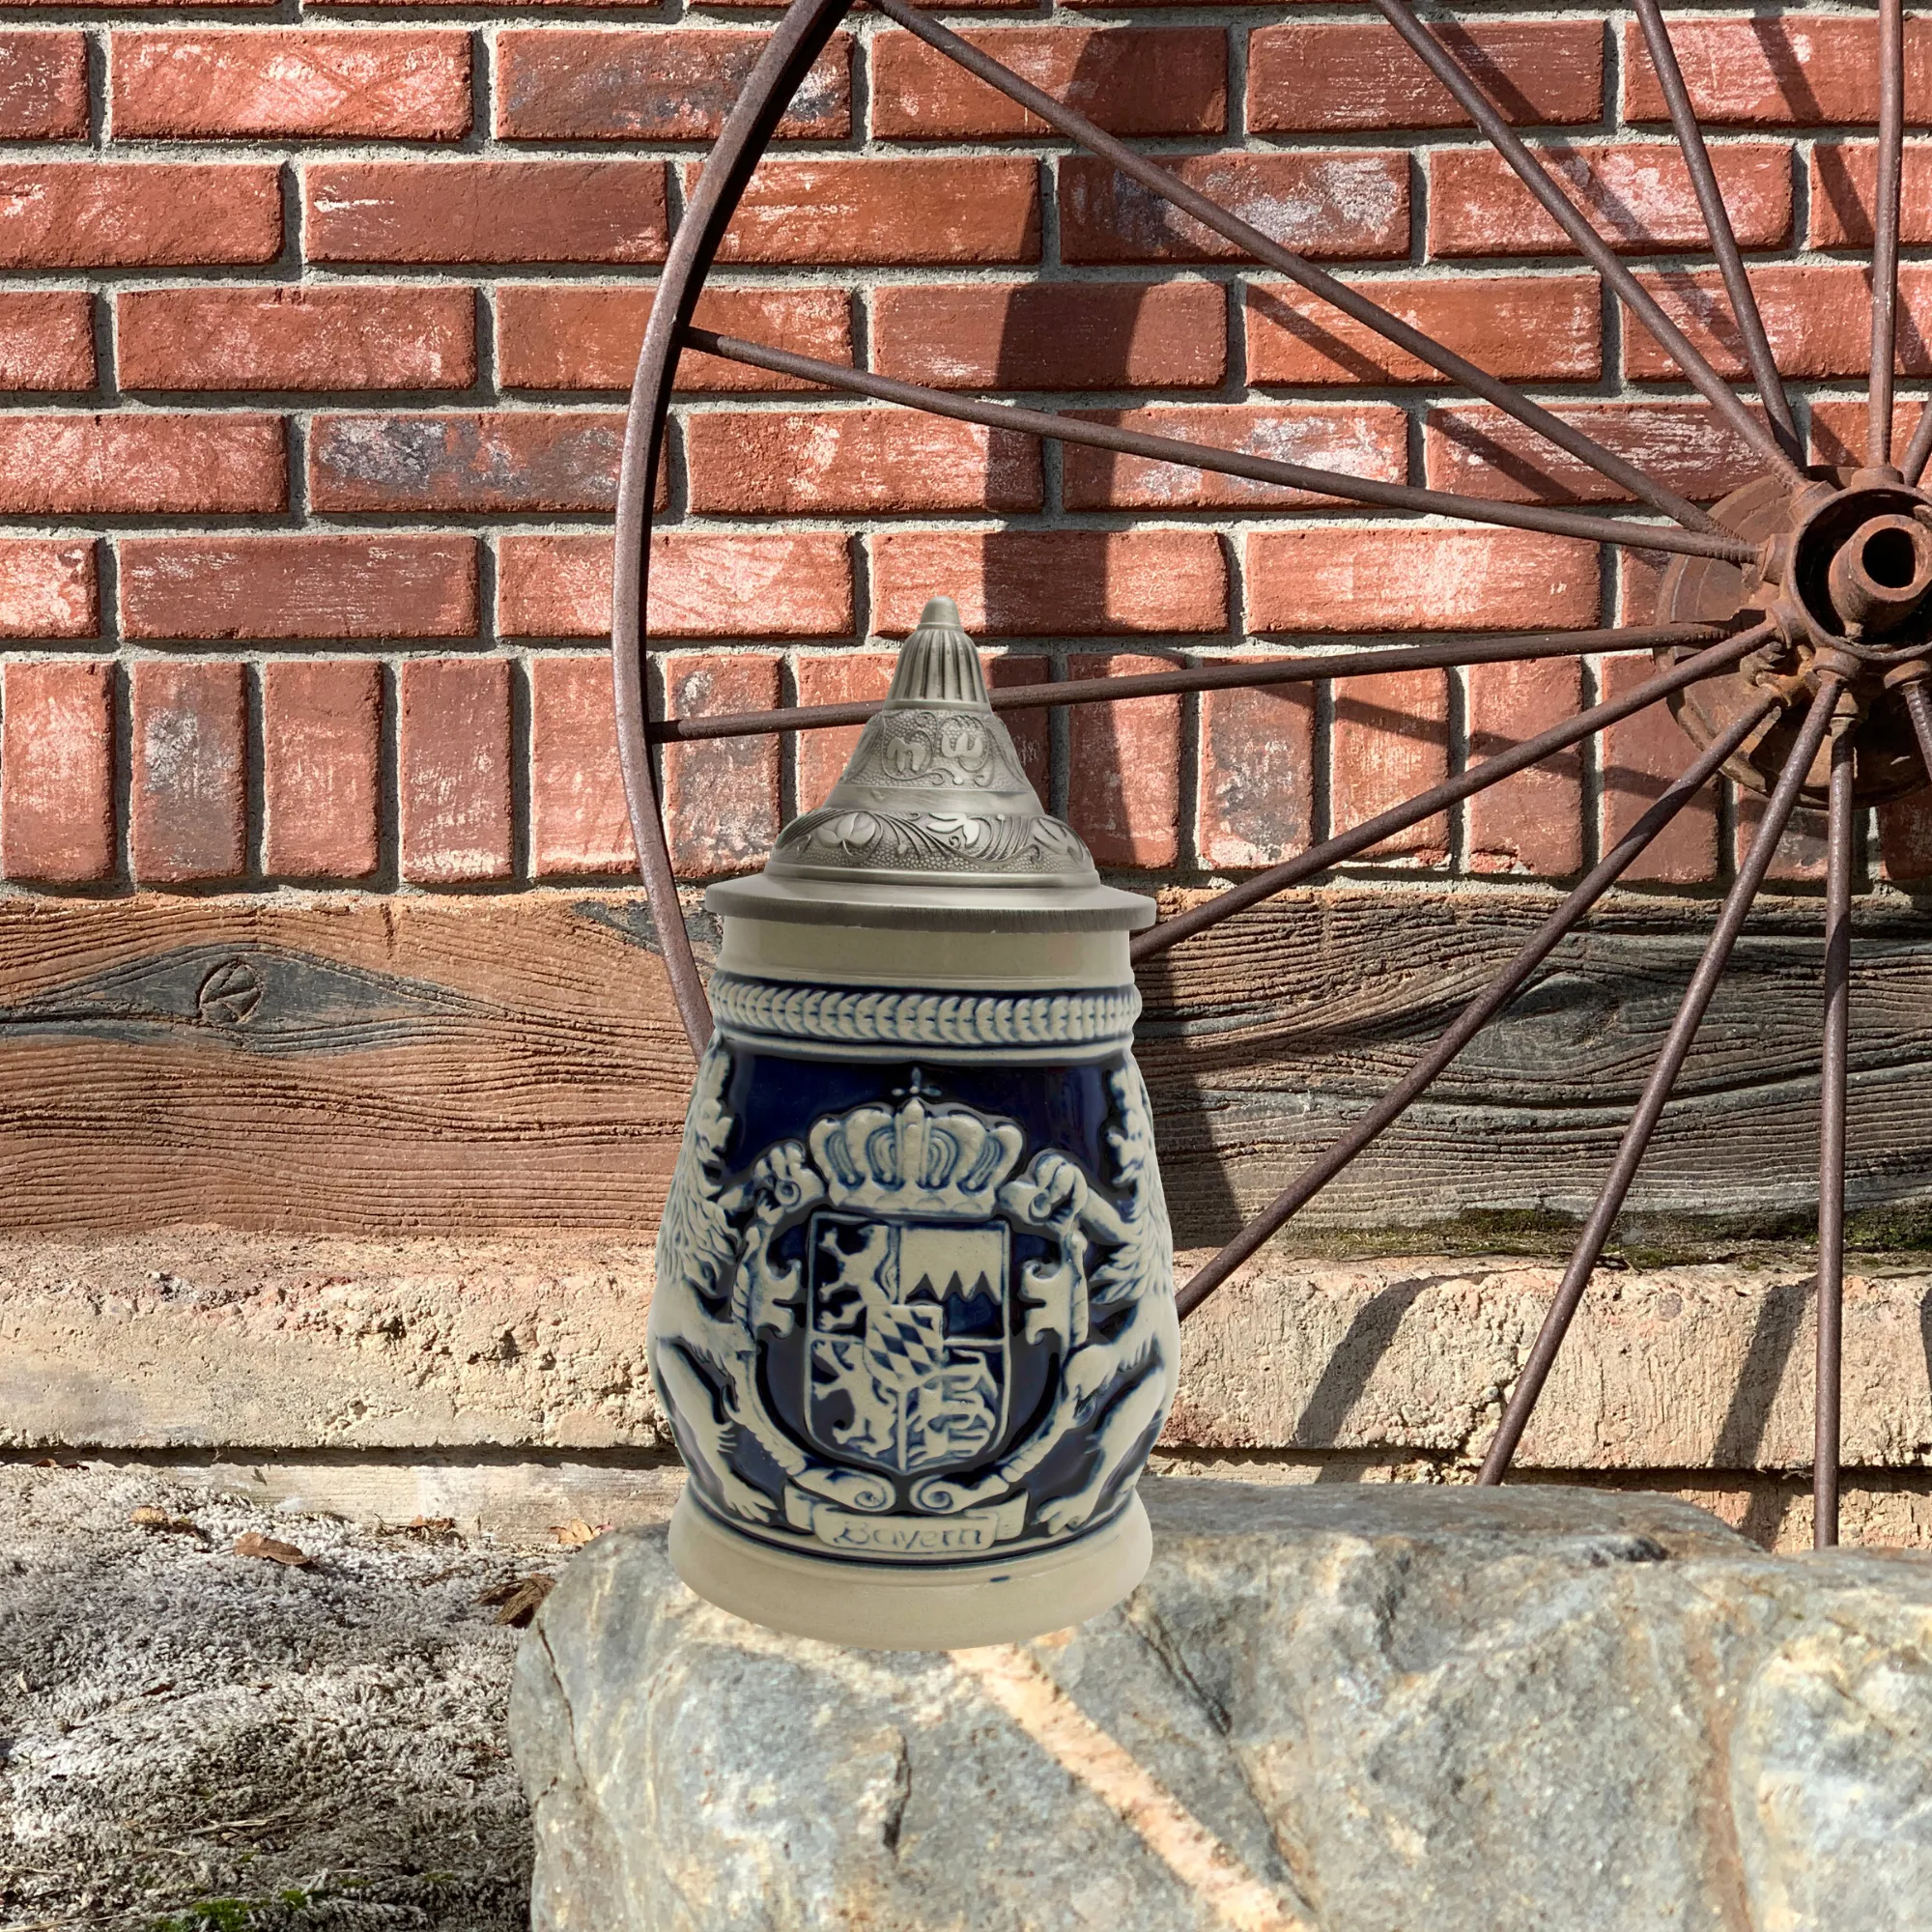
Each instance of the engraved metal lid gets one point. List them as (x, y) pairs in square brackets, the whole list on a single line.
[(934, 821)]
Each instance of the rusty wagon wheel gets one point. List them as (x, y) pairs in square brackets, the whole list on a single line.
[(1792, 635)]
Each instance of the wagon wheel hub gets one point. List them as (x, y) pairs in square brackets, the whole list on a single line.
[(1844, 574)]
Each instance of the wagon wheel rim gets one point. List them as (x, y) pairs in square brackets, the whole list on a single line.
[(1799, 601)]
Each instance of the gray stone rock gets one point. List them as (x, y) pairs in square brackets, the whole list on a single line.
[(1347, 1708)]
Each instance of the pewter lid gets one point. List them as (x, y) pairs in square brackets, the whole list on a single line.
[(934, 822)]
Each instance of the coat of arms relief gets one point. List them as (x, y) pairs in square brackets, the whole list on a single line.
[(983, 1353)]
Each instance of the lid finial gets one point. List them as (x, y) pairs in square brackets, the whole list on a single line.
[(938, 664)]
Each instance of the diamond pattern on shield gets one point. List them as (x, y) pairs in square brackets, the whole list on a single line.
[(908, 1361)]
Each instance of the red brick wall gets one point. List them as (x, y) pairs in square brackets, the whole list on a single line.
[(317, 333)]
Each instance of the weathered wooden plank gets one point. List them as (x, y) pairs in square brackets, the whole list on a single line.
[(335, 1064), (462, 1066), (1263, 1041)]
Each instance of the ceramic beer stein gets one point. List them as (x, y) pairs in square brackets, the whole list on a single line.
[(914, 1319)]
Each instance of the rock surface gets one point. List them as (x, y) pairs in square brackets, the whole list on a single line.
[(1344, 1708)]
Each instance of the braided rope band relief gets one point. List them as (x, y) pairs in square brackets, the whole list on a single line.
[(894, 1016)]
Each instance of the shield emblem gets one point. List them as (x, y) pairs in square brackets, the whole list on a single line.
[(907, 1368)]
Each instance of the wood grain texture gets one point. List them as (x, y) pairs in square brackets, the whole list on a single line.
[(463, 1066), (344, 1066), (1265, 1040)]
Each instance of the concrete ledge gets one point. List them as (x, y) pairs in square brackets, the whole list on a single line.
[(208, 1339)]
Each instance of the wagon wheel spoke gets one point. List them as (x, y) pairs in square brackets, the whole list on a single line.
[(1664, 1074), (1476, 1015), (1211, 216), (1474, 102), (1885, 230), (1223, 462), (1717, 224), (1919, 708), (1265, 884), (1524, 648), (1832, 1100), (1919, 450)]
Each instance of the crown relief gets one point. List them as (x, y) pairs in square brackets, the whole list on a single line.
[(944, 1162)]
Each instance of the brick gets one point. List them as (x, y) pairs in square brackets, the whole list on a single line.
[(1838, 428), (146, 464), (1123, 769), (909, 209), (1390, 743), (848, 678), (1815, 315), (1519, 328), (46, 339), (127, 214), (1803, 854), (580, 824), (851, 461), (561, 336), (488, 460), (1642, 758), (1640, 578), (792, 583), (298, 586), (1790, 70), (1053, 582), (1257, 803), (47, 588), (1479, 451), (255, 81), (1053, 335), (57, 772), (322, 724), (1357, 440), (367, 337), (476, 210), (455, 770), (1397, 578), (1032, 730), (1843, 180), (1129, 80), (1357, 74), (652, 84), (42, 86), (188, 803), (1534, 821), (1905, 838), (1637, 196), (1351, 205), (721, 796)]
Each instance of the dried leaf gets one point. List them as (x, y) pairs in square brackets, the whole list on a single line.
[(426, 1528), (517, 1601), (575, 1533), (267, 1549), (149, 1517)]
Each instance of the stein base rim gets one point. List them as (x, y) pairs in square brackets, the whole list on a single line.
[(893, 1607)]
